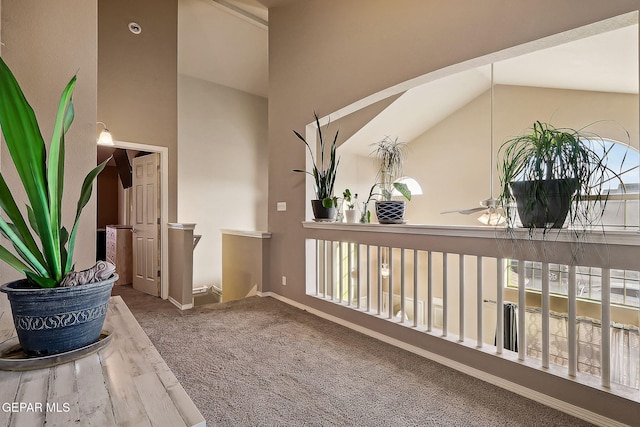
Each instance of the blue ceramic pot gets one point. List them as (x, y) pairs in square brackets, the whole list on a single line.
[(56, 320)]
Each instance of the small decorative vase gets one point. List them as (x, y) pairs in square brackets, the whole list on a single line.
[(351, 216), (57, 320), (390, 211), (364, 213)]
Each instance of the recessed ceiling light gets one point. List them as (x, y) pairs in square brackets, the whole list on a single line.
[(135, 28)]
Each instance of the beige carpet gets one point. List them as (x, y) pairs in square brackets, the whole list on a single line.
[(260, 362)]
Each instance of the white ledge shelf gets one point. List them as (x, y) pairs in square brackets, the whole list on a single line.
[(601, 236), (243, 233)]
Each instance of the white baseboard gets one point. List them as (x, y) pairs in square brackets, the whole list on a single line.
[(180, 306), (549, 401)]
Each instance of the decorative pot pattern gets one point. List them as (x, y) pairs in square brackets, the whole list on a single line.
[(57, 320), (390, 211)]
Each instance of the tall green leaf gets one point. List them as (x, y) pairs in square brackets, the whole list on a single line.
[(12, 260), (85, 196), (9, 206), (9, 231), (55, 172), (27, 150)]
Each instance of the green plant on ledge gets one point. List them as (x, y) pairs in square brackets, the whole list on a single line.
[(350, 199), (553, 173), (47, 263), (324, 171), (390, 154)]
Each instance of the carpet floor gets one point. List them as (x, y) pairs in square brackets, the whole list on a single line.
[(260, 362)]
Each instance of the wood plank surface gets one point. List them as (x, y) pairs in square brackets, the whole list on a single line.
[(126, 383)]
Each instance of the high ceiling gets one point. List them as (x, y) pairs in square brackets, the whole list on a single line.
[(224, 42), (607, 62)]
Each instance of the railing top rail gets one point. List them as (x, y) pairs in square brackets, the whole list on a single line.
[(608, 248), (613, 236)]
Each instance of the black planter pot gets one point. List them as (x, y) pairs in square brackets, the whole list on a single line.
[(544, 204), (57, 320), (321, 213), (390, 211)]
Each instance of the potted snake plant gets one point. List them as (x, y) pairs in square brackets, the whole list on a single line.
[(51, 314), (390, 155), (324, 175), (551, 174)]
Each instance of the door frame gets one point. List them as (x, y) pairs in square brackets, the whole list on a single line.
[(164, 205)]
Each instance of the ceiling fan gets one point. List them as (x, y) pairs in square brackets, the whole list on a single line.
[(492, 213)]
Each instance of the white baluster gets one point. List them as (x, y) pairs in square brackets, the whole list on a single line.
[(571, 327), (500, 306), (402, 283), (429, 290), (461, 296), (522, 306), (415, 287), (605, 340), (379, 280), (340, 273), (545, 315), (479, 302), (390, 303), (357, 270), (445, 303)]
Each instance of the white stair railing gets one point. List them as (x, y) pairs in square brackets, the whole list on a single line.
[(403, 283)]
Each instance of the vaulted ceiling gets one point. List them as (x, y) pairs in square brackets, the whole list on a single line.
[(225, 42)]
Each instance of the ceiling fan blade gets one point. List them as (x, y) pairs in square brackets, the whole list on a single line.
[(466, 211)]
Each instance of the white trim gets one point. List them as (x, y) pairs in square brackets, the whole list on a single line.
[(549, 401), (242, 233), (180, 306), (597, 235), (182, 226), (164, 206)]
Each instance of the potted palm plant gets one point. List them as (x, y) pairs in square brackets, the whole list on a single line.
[(390, 155), (324, 175), (550, 173), (50, 314)]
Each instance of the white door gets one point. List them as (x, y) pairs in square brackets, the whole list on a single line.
[(146, 220)]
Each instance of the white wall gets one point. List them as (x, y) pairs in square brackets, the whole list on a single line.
[(222, 167)]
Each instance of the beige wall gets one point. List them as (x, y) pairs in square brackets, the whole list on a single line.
[(222, 167), (392, 42), (452, 161), (326, 54), (137, 76), (45, 44), (181, 262), (245, 264)]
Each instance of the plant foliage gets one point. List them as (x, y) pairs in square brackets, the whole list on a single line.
[(390, 154), (47, 263), (323, 172), (547, 152)]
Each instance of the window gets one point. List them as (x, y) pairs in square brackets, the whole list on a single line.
[(625, 284), (623, 186)]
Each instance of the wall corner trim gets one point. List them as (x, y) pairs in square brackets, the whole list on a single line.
[(180, 306)]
